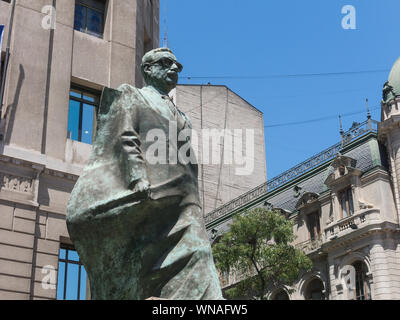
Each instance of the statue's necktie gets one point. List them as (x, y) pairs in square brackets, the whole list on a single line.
[(171, 104)]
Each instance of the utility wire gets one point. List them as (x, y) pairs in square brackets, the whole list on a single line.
[(317, 119), (298, 75)]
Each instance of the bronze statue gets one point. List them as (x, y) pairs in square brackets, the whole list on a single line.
[(136, 222)]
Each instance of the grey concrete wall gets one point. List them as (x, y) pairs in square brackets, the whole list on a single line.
[(44, 62), (217, 107)]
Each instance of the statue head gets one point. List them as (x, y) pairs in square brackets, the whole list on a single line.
[(160, 69)]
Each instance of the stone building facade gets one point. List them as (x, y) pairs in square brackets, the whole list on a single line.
[(54, 83), (95, 43), (344, 203)]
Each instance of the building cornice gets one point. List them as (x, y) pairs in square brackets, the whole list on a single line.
[(36, 161)]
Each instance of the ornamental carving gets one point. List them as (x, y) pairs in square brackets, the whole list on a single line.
[(15, 183), (306, 199), (342, 167)]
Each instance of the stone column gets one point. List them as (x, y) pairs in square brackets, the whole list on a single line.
[(381, 288)]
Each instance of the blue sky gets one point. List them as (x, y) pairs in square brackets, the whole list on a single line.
[(263, 37)]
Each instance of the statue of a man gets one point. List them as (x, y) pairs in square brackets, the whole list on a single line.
[(135, 222)]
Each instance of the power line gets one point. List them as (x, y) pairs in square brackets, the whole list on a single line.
[(316, 94), (298, 75), (316, 119), (309, 120)]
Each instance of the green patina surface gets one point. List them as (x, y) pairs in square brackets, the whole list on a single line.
[(391, 88), (137, 225)]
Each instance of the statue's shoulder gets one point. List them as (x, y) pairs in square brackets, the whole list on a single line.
[(125, 96)]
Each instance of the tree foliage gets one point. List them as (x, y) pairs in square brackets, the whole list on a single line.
[(258, 245)]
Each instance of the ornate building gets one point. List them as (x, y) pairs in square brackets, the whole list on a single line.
[(344, 203)]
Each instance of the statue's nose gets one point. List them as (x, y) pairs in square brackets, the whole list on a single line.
[(175, 67)]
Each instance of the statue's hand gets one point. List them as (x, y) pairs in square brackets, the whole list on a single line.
[(142, 187)]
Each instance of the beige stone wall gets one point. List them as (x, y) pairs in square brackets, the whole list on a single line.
[(38, 164)]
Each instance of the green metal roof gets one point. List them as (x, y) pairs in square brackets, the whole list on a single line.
[(392, 86)]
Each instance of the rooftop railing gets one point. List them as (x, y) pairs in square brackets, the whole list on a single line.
[(356, 131)]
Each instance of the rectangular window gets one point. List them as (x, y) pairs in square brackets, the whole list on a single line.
[(71, 283), (314, 225), (90, 16), (346, 203), (83, 104)]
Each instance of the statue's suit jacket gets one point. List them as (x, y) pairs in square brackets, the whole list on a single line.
[(118, 159), (137, 245)]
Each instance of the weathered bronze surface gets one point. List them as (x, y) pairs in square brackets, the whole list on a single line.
[(137, 225)]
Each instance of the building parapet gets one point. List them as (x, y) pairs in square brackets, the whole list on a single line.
[(351, 223), (357, 131)]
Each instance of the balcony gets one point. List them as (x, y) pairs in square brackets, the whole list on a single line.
[(351, 224)]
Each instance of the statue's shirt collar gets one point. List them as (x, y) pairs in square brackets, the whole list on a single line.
[(159, 99), (155, 91)]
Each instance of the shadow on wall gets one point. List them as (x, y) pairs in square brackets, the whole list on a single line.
[(12, 108)]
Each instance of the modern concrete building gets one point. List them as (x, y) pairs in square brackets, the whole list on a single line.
[(54, 82), (344, 203), (226, 117)]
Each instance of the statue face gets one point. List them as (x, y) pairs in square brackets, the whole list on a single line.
[(163, 71)]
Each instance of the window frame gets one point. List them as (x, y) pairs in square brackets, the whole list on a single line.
[(314, 225), (82, 90), (102, 12), (67, 262), (349, 202), (362, 282)]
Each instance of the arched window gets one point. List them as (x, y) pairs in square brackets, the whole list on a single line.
[(362, 289), (315, 290), (281, 295)]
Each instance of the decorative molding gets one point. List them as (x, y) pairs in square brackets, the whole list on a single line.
[(15, 183), (32, 160), (307, 199), (37, 167), (344, 169)]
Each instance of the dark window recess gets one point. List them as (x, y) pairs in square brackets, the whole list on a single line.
[(314, 225), (71, 283), (346, 203), (315, 290), (281, 295), (83, 104), (90, 16), (362, 290)]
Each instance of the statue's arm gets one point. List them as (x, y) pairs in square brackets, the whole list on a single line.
[(133, 162), (124, 111)]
